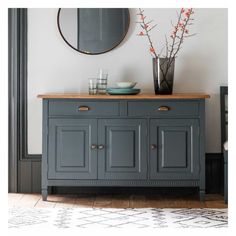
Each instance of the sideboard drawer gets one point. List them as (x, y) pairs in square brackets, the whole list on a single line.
[(80, 108), (163, 108)]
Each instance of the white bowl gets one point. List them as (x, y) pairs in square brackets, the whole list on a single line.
[(126, 84)]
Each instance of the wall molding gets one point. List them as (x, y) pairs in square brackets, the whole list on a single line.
[(17, 100), (12, 100), (18, 49), (23, 87)]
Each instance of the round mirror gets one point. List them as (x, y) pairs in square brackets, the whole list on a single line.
[(93, 30)]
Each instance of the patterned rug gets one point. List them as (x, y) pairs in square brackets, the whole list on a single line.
[(20, 217)]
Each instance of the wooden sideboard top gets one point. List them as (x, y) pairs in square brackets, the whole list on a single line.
[(139, 96)]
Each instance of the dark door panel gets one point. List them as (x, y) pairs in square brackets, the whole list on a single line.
[(174, 152), (71, 156), (123, 154)]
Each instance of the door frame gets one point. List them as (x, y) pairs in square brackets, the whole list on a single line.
[(17, 96)]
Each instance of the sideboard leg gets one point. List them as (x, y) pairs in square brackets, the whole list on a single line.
[(44, 194), (202, 195)]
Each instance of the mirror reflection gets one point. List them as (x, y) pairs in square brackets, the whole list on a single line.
[(93, 30)]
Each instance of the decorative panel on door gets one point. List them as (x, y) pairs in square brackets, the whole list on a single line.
[(123, 154), (174, 149), (71, 156)]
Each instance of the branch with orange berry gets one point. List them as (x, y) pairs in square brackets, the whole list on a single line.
[(146, 29), (179, 33), (177, 36)]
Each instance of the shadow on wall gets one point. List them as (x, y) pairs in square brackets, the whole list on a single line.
[(194, 73), (191, 75)]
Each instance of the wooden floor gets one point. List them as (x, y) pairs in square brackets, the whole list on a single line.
[(115, 201)]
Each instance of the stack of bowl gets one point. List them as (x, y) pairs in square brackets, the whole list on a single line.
[(124, 88)]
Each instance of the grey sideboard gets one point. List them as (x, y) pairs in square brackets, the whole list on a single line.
[(136, 140)]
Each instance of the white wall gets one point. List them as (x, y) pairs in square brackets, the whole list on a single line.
[(200, 67), (68, 25)]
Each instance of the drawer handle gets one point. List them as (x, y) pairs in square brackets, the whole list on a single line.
[(163, 108), (100, 147), (153, 146), (83, 108), (93, 146)]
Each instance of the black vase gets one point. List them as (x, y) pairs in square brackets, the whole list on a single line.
[(163, 75)]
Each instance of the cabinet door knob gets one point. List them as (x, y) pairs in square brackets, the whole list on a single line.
[(100, 147), (163, 108), (93, 146), (153, 146), (83, 108)]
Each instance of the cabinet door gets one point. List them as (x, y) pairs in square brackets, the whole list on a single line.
[(69, 149), (174, 149), (123, 154)]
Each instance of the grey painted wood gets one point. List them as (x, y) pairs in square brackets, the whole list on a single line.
[(226, 176), (174, 156), (29, 176), (44, 194), (224, 115), (24, 177), (23, 86), (128, 183), (176, 152), (70, 155), (68, 107), (20, 162), (44, 176), (36, 176), (12, 102), (124, 154), (224, 134), (202, 162), (123, 108), (176, 108), (22, 78)]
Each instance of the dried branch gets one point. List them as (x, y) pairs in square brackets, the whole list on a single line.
[(152, 27), (182, 25), (149, 22), (167, 48), (180, 32), (147, 32), (190, 35)]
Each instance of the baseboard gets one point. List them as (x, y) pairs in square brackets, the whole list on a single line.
[(214, 173)]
